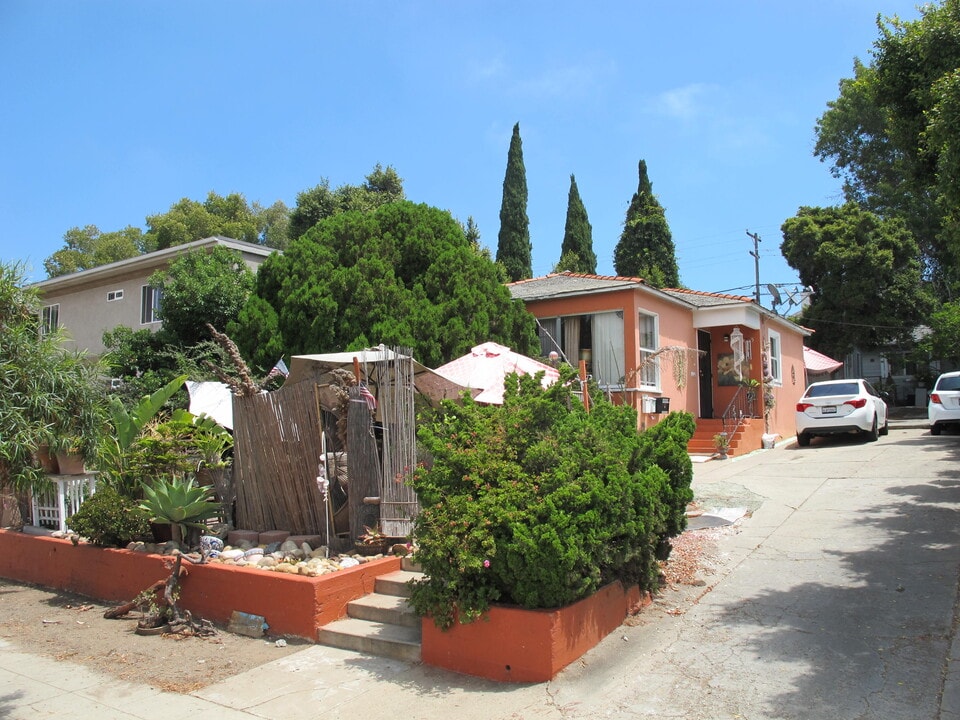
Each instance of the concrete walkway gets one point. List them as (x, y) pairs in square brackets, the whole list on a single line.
[(834, 599)]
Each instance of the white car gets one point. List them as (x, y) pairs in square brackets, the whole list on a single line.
[(944, 406), (834, 407)]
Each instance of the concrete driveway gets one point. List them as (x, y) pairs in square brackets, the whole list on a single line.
[(834, 599)]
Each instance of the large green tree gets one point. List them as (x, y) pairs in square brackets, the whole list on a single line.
[(188, 220), (88, 247), (646, 247), (514, 250), (381, 186), (576, 252), (403, 275), (865, 274), (199, 287), (893, 134)]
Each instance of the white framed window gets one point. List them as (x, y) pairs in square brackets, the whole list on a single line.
[(114, 295), (596, 339), (49, 318), (774, 358), (609, 368), (149, 305), (649, 344)]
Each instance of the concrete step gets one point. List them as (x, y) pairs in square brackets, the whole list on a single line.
[(391, 609), (395, 583), (374, 638)]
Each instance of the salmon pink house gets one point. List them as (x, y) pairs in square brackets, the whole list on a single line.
[(736, 366)]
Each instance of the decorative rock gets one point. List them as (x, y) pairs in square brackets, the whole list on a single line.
[(236, 537), (267, 562), (270, 548), (320, 552), (273, 536), (349, 562), (231, 554), (288, 546), (306, 549)]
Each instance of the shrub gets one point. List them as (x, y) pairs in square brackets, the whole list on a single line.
[(109, 518), (539, 503)]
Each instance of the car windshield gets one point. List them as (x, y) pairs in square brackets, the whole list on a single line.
[(951, 382), (850, 388)]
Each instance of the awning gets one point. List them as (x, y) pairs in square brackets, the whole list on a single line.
[(373, 362), (816, 362)]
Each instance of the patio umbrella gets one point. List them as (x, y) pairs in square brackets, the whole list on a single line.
[(485, 367)]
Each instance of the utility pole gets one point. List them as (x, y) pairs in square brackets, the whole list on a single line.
[(756, 263)]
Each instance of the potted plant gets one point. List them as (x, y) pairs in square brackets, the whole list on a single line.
[(722, 442), (181, 504), (373, 541)]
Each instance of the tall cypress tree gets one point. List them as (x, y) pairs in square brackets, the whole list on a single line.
[(577, 253), (646, 247), (514, 251)]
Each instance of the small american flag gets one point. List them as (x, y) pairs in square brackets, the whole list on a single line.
[(279, 369), (368, 396)]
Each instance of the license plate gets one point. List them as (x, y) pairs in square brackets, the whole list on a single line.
[(828, 410)]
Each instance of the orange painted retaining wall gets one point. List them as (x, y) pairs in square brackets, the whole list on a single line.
[(291, 604), (515, 645)]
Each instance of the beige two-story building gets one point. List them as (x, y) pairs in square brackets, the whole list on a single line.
[(89, 302)]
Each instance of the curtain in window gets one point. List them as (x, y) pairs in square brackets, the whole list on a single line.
[(549, 336), (608, 360), (571, 340)]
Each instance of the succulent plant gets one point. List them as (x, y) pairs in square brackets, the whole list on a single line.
[(179, 503)]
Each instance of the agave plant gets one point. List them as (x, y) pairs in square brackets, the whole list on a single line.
[(180, 504)]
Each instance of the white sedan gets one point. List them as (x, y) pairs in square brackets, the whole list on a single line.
[(834, 407)]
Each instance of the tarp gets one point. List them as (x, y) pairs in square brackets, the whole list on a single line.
[(485, 367), (212, 398), (372, 361), (816, 362)]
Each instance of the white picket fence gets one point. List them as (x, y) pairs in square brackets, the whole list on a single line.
[(53, 508)]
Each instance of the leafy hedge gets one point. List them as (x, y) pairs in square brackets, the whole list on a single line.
[(539, 503)]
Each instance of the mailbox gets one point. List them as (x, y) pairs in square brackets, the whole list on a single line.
[(663, 404)]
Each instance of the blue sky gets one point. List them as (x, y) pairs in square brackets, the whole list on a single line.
[(112, 111)]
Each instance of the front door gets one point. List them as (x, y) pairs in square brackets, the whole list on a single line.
[(706, 374)]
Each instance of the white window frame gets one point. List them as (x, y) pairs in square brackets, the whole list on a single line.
[(606, 364), (609, 358), (149, 304), (114, 295), (649, 376), (49, 318), (774, 357)]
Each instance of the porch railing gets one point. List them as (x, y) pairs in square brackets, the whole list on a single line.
[(742, 405)]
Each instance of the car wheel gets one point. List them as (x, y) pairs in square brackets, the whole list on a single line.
[(934, 429), (803, 439), (873, 434)]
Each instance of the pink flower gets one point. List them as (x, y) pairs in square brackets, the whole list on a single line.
[(486, 563)]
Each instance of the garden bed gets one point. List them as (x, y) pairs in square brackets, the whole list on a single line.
[(292, 605), (511, 644)]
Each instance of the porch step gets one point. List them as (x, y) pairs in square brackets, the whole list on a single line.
[(382, 639), (382, 623), (702, 442)]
